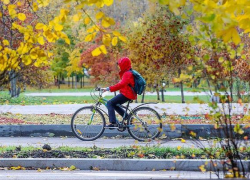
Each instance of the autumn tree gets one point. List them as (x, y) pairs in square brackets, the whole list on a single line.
[(24, 38), (158, 49), (21, 21), (216, 36)]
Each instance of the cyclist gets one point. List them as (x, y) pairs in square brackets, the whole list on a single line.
[(126, 92)]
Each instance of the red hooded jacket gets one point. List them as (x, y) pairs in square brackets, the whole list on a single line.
[(127, 78)]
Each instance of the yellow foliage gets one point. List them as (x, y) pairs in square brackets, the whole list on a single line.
[(43, 3), (35, 7), (103, 49), (40, 40), (6, 1), (87, 20), (58, 27), (108, 2), (21, 16), (107, 21), (27, 60), (106, 39), (99, 15), (76, 17), (39, 26), (90, 30), (114, 41), (90, 37), (202, 168), (123, 38), (183, 140), (96, 52), (6, 42), (116, 33)]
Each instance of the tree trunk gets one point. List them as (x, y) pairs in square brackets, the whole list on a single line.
[(58, 82), (68, 82), (81, 81), (238, 88), (72, 82), (209, 86), (162, 95), (158, 94), (13, 81), (76, 83), (143, 96), (181, 85)]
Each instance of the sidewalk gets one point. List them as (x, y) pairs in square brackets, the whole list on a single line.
[(101, 175), (102, 143), (168, 108), (105, 168)]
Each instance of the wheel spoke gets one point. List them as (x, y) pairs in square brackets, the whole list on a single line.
[(145, 123), (88, 124)]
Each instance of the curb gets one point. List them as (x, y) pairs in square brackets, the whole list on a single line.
[(65, 130), (181, 130), (119, 164)]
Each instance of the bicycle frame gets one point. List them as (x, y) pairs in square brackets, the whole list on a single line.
[(102, 101)]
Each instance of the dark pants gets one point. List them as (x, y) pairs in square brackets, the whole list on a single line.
[(112, 106)]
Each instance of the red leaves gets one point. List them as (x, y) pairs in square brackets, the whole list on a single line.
[(4, 120)]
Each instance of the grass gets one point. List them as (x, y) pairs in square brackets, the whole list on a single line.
[(88, 88), (129, 152), (29, 100)]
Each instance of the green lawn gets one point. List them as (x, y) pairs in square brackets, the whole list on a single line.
[(65, 88), (25, 100)]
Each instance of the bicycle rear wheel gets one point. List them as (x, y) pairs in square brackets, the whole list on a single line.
[(88, 123), (144, 124)]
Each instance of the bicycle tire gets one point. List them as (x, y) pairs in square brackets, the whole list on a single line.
[(88, 128), (134, 124)]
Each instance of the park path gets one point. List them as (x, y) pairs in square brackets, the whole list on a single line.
[(168, 108), (104, 175), (101, 142)]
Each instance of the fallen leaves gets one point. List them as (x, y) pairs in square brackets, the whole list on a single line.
[(71, 168), (18, 168)]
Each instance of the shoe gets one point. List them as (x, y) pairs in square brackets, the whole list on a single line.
[(111, 126)]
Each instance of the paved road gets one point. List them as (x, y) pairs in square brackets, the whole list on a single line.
[(102, 143), (101, 175), (168, 108), (168, 93)]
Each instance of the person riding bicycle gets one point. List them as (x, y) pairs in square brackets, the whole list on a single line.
[(125, 86)]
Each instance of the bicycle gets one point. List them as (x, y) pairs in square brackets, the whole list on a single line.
[(143, 123)]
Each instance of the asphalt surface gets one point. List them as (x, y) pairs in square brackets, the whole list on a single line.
[(107, 175), (168, 108), (102, 143)]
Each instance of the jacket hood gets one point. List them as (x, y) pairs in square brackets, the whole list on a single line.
[(125, 64)]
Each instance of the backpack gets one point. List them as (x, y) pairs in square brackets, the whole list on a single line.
[(140, 83)]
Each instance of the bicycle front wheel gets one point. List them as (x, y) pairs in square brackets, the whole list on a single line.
[(144, 124), (88, 123)]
